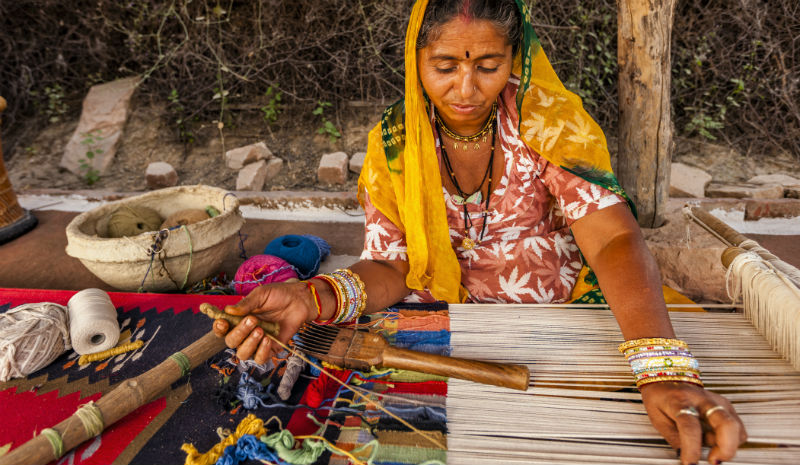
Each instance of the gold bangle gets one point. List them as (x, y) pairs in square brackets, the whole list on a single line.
[(651, 341), (661, 379)]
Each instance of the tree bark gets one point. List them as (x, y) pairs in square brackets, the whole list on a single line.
[(645, 124)]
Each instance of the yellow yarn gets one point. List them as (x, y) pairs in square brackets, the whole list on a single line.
[(133, 220), (249, 425), (114, 351)]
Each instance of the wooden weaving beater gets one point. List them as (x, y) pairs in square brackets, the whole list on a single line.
[(362, 350)]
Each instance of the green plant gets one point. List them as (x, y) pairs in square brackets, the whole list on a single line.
[(327, 126), (177, 109), (274, 107), (703, 124), (55, 107), (90, 140)]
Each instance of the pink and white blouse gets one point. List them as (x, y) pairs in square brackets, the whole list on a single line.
[(527, 254)]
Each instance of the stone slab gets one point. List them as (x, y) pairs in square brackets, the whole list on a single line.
[(105, 111), (745, 191), (687, 181)]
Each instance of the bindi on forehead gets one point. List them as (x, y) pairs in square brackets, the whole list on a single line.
[(467, 53)]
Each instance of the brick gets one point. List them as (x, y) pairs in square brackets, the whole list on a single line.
[(357, 162), (239, 157), (252, 177), (333, 168)]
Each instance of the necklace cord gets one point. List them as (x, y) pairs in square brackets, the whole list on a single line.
[(491, 124)]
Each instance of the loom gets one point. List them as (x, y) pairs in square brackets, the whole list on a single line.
[(580, 408)]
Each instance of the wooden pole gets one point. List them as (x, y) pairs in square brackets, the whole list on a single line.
[(125, 398), (645, 126)]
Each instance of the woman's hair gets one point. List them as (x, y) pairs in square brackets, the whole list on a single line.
[(504, 14)]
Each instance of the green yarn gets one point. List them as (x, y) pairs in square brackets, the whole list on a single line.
[(282, 443), (92, 418), (55, 441), (183, 362), (133, 220)]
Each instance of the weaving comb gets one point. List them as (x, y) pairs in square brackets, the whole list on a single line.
[(362, 350)]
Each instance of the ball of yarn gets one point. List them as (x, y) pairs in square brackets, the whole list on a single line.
[(133, 220), (261, 269), (304, 252), (31, 337), (184, 217)]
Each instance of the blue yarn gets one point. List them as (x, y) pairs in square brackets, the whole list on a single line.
[(248, 447), (303, 252)]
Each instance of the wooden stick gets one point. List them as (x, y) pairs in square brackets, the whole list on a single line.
[(714, 225), (213, 312), (125, 398)]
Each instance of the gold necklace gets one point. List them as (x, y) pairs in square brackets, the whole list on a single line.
[(466, 140)]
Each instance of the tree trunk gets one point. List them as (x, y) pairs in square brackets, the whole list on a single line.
[(645, 125)]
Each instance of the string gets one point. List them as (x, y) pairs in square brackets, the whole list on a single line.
[(54, 437), (92, 418), (183, 362), (337, 380)]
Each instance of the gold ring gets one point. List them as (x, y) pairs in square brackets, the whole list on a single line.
[(688, 411), (712, 410)]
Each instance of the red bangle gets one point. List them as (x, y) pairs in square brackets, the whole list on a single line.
[(332, 284)]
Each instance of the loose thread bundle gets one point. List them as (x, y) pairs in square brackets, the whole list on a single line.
[(121, 349), (31, 337)]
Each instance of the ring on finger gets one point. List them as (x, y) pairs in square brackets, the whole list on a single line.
[(688, 411), (713, 409)]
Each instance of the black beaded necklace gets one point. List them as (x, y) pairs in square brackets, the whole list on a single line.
[(468, 243)]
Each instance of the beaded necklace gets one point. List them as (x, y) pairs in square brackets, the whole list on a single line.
[(468, 243), (473, 138)]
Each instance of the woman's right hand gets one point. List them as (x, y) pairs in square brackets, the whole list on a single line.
[(288, 304)]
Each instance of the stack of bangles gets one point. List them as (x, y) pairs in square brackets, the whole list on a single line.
[(658, 359), (351, 296)]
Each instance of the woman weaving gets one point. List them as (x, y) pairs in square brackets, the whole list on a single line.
[(489, 182)]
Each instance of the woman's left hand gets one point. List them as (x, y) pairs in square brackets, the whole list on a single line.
[(689, 416)]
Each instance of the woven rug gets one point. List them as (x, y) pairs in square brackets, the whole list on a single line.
[(190, 411)]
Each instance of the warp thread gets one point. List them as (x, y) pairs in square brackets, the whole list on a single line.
[(31, 337), (771, 302), (304, 252), (261, 269), (132, 220)]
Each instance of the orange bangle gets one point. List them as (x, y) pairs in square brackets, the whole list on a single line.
[(315, 296)]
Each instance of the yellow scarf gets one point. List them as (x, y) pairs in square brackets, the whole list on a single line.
[(401, 169)]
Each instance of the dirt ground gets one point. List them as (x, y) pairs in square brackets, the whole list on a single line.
[(152, 135)]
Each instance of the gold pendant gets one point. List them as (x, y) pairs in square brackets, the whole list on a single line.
[(477, 146), (468, 243)]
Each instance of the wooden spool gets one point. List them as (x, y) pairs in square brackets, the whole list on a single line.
[(14, 220)]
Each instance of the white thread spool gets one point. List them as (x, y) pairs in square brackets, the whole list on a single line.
[(93, 322)]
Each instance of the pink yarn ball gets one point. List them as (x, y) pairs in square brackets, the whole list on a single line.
[(261, 269)]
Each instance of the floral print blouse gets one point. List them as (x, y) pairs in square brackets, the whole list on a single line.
[(527, 254)]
